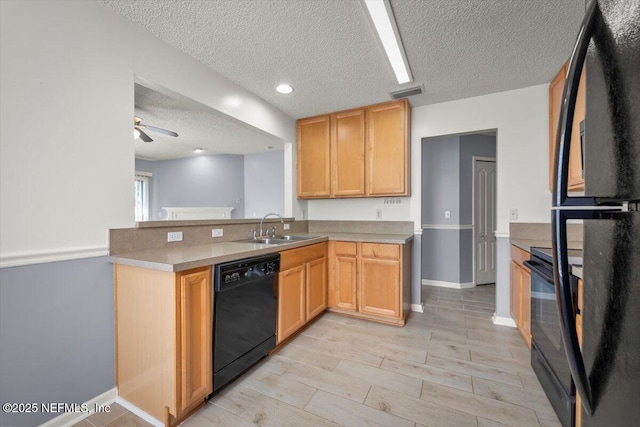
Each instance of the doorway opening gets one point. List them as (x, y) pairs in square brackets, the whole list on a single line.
[(456, 216)]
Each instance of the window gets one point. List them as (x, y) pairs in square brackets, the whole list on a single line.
[(142, 195)]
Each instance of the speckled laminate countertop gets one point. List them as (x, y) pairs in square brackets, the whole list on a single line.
[(527, 244), (185, 258), (576, 264)]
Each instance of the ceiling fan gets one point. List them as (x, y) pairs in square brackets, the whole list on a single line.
[(139, 127)]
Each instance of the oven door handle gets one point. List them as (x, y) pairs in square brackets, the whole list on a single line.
[(539, 269), (566, 310)]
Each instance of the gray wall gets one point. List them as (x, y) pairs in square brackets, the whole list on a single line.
[(57, 335), (264, 183), (447, 184), (197, 181), (440, 178)]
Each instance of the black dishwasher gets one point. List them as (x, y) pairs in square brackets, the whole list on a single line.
[(245, 313)]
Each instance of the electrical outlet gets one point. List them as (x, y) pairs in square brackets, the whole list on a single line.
[(513, 214), (287, 226), (217, 232), (174, 236), (447, 214), (378, 213)]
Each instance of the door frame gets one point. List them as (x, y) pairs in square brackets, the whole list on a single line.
[(474, 160)]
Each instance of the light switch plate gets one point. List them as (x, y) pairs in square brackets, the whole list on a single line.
[(217, 232), (287, 226), (513, 214)]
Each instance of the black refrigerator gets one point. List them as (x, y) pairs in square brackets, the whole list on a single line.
[(606, 371)]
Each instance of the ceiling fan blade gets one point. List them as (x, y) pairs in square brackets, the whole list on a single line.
[(144, 136), (160, 130)]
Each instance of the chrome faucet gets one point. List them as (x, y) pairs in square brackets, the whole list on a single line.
[(264, 217)]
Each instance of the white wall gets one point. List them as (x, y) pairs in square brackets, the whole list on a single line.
[(521, 118), (67, 71), (263, 184)]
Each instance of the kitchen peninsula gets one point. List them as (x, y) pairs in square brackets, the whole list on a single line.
[(164, 300)]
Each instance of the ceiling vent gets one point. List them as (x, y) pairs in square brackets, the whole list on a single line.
[(403, 93)]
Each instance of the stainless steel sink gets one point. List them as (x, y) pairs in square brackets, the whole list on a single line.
[(277, 240), (293, 238)]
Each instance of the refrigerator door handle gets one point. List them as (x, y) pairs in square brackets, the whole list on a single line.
[(567, 110), (564, 299)]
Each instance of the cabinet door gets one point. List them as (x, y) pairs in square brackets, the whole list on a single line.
[(515, 292), (313, 154), (576, 180), (291, 301), (347, 153), (525, 283), (555, 100), (195, 336), (380, 288), (387, 149), (316, 287), (346, 280)]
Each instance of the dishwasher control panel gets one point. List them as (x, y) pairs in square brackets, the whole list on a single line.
[(244, 270)]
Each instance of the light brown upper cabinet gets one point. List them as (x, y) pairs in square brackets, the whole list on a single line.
[(387, 149), (313, 147), (347, 153), (356, 153), (576, 180)]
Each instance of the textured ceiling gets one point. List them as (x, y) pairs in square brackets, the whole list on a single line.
[(196, 126), (327, 49)]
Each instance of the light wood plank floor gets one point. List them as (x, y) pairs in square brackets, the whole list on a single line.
[(449, 366)]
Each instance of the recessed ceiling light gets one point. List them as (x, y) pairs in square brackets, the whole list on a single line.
[(284, 88), (385, 25), (198, 150)]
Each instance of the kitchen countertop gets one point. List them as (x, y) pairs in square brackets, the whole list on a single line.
[(188, 257), (527, 244), (575, 251)]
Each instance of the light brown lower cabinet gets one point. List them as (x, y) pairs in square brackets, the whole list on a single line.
[(302, 287), (521, 293), (579, 331), (163, 339), (370, 280)]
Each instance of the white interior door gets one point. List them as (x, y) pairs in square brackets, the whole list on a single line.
[(484, 212)]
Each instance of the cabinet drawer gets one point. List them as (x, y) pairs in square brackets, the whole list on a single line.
[(346, 248), (519, 256), (380, 250), (294, 257)]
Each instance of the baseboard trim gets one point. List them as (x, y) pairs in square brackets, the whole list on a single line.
[(452, 285), (503, 321), (70, 418), (138, 412), (418, 308)]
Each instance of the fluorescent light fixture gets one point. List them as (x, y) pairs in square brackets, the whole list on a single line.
[(284, 88), (385, 24), (198, 150)]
